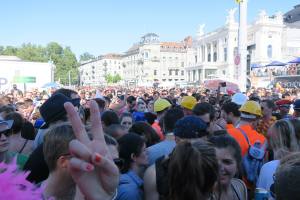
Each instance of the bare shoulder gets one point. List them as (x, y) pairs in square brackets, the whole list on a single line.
[(150, 184)]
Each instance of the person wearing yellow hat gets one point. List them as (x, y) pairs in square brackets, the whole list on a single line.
[(160, 107), (187, 104), (250, 114), (244, 133)]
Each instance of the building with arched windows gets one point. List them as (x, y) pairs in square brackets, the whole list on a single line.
[(269, 38)]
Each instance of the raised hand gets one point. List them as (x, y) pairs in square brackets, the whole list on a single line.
[(91, 166)]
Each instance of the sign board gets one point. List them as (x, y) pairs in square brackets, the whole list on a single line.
[(237, 62), (288, 81), (237, 59), (24, 79), (238, 1)]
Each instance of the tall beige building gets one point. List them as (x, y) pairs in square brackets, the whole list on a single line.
[(151, 61)]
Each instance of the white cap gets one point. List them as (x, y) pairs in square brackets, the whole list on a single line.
[(98, 95), (239, 99)]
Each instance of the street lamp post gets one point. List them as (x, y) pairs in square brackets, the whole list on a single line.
[(242, 45)]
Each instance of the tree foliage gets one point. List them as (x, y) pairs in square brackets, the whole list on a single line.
[(63, 58), (113, 78), (86, 56)]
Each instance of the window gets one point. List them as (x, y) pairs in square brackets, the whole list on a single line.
[(182, 73), (155, 72), (170, 72), (194, 75), (225, 54), (176, 72), (269, 51), (170, 79), (196, 59), (215, 57), (208, 57), (209, 72), (235, 51), (202, 54), (146, 55)]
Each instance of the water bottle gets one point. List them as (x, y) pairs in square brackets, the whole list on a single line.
[(261, 194)]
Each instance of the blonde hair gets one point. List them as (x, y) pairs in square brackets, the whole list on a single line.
[(286, 138)]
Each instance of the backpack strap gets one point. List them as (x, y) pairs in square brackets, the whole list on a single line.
[(245, 136)]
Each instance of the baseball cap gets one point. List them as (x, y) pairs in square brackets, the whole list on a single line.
[(297, 105), (190, 127), (6, 125)]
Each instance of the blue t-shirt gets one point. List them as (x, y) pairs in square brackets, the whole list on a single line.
[(130, 187), (160, 149)]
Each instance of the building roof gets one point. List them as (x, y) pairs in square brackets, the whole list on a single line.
[(150, 35), (186, 43), (171, 45), (112, 56), (293, 15), (133, 49), (10, 58)]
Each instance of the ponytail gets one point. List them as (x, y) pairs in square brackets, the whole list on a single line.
[(192, 171)]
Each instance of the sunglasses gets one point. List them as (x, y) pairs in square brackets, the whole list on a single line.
[(6, 133), (124, 123)]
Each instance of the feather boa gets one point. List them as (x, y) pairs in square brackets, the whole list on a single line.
[(14, 186)]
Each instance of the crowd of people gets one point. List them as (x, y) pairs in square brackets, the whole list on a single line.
[(149, 143), (269, 71)]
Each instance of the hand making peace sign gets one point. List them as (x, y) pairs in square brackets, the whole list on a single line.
[(91, 166)]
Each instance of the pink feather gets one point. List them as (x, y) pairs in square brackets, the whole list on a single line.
[(14, 186)]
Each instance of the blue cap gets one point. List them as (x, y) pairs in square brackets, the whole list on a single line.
[(297, 104), (190, 127)]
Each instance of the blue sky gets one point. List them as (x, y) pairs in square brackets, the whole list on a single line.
[(103, 26)]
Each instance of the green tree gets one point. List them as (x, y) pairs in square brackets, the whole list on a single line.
[(112, 79), (109, 78), (65, 61), (1, 50), (86, 56), (10, 51), (32, 53), (117, 78)]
